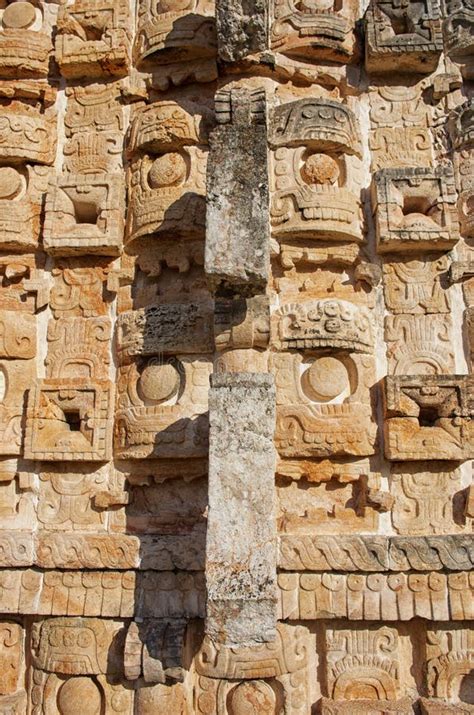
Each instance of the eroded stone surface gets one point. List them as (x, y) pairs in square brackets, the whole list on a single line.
[(240, 549), (237, 230)]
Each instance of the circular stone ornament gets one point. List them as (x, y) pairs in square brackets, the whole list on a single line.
[(325, 379), (167, 170), (159, 383), (253, 698), (19, 16), (79, 695), (11, 183), (320, 169)]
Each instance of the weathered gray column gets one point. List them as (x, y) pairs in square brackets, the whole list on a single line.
[(242, 28), (237, 255), (241, 535)]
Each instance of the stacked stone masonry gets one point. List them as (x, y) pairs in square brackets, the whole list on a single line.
[(236, 357)]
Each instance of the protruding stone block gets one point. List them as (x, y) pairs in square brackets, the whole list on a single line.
[(429, 417), (241, 537), (242, 322), (84, 214), (165, 329), (240, 32), (174, 32), (415, 209), (403, 37), (238, 236), (154, 649)]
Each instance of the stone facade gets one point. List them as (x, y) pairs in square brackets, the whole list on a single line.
[(236, 357)]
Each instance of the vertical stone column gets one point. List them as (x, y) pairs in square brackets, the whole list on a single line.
[(237, 253), (241, 536)]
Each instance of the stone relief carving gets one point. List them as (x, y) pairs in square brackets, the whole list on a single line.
[(424, 501), (93, 39), (415, 208), (428, 417), (315, 171), (236, 357), (167, 171), (308, 30), (25, 40), (419, 344), (403, 38)]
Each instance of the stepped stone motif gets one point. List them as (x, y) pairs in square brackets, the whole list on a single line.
[(236, 357)]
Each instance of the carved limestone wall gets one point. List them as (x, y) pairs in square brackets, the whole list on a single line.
[(236, 357)]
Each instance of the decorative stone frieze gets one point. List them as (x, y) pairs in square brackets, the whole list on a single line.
[(236, 357)]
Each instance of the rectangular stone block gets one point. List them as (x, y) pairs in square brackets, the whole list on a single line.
[(241, 537), (165, 329), (362, 707), (238, 234), (436, 707)]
